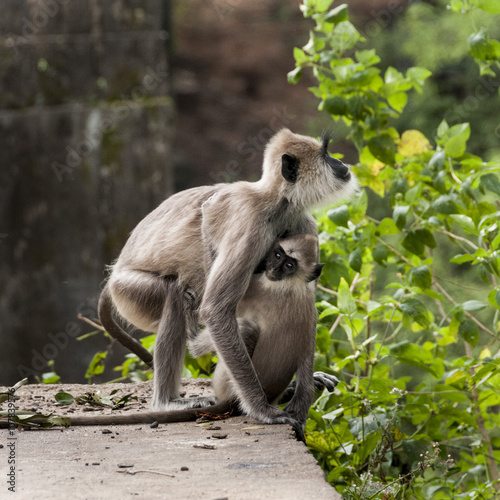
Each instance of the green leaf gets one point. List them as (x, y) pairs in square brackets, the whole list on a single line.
[(465, 222), (299, 55), (355, 260), (345, 301), (469, 331), (96, 366), (494, 298), (461, 259), (333, 414), (367, 446), (437, 160), (489, 6), (442, 129), (481, 47), (416, 241), (445, 205), (398, 101), (387, 226), (417, 311), (50, 378), (295, 75), (64, 398), (339, 215), (338, 14), (399, 216), (329, 311), (421, 277), (362, 426), (383, 148), (415, 355), (456, 141), (337, 472), (417, 77), (473, 305), (336, 106), (367, 57), (490, 182), (380, 254)]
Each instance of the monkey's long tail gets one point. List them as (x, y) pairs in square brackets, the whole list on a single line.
[(220, 410), (105, 311)]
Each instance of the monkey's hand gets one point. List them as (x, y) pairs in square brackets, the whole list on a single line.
[(323, 380)]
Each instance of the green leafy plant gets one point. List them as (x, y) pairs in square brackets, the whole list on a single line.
[(409, 300), (95, 399), (50, 376)]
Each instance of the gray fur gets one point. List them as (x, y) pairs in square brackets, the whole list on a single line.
[(235, 229), (275, 320)]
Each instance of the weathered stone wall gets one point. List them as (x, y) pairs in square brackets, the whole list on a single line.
[(85, 148)]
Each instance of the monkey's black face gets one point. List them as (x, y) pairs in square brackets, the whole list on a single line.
[(279, 265), (340, 170)]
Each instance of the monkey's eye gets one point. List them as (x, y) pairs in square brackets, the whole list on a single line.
[(277, 255), (289, 265)]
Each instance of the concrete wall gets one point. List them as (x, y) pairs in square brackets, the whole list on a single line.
[(85, 148)]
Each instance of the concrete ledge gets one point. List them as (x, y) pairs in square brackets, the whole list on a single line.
[(237, 458)]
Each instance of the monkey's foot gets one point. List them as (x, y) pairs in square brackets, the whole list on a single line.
[(323, 380), (272, 415), (185, 403)]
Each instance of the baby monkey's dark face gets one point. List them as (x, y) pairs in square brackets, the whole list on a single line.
[(279, 265)]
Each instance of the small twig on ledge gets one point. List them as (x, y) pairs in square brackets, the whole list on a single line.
[(132, 472)]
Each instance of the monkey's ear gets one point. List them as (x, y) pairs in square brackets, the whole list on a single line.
[(316, 272), (289, 167)]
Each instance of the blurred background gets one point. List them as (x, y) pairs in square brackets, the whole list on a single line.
[(107, 107)]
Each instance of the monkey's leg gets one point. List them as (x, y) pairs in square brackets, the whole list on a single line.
[(170, 347), (304, 392), (105, 311)]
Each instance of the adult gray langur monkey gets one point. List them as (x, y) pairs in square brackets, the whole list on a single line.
[(274, 320), (183, 259)]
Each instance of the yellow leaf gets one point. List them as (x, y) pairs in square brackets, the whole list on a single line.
[(485, 353), (413, 143), (398, 435)]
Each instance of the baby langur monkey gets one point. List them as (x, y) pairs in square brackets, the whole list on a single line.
[(274, 322)]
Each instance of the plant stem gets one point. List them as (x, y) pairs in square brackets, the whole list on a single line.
[(490, 461), (468, 314)]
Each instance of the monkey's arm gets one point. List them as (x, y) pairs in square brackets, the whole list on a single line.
[(227, 282)]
